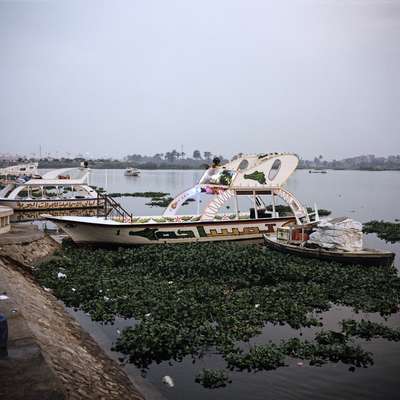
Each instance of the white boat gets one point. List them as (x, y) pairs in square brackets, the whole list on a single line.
[(247, 176), (132, 172), (20, 170), (55, 190)]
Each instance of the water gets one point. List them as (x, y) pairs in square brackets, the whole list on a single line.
[(362, 195)]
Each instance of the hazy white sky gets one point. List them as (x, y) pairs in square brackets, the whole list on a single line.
[(120, 77)]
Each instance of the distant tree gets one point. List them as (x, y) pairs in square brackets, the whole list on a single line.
[(171, 156), (134, 157), (183, 154), (168, 156), (207, 155), (197, 155)]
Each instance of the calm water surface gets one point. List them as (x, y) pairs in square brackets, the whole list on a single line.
[(362, 195)]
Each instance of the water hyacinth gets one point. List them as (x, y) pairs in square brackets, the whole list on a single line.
[(212, 378), (195, 298), (388, 231)]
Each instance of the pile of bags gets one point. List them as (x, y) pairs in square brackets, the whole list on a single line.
[(338, 234)]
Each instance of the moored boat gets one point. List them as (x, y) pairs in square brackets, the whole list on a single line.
[(295, 240), (246, 177), (54, 190), (28, 170)]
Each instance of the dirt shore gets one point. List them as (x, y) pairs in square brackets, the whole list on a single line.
[(79, 368)]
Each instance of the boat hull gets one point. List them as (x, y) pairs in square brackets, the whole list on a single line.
[(51, 204), (365, 257), (125, 234)]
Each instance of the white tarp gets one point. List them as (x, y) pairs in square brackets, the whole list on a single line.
[(338, 234)]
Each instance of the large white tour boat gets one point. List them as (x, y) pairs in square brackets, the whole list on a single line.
[(247, 176), (55, 190), (30, 169)]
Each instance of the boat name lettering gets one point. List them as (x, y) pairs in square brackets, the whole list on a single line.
[(156, 234)]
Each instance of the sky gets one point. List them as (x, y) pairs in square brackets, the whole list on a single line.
[(110, 78)]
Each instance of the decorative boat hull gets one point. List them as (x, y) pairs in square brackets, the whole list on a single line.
[(51, 204), (364, 257), (101, 231)]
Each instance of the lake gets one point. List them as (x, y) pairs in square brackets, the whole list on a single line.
[(361, 195)]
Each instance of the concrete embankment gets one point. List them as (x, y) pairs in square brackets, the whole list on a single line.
[(49, 355)]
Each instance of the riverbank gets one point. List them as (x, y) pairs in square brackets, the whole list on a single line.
[(50, 356)]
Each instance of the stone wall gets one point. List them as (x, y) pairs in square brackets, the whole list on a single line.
[(80, 366)]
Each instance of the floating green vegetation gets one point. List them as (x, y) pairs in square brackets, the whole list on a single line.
[(158, 199), (213, 378), (191, 299), (140, 194), (369, 330), (328, 346), (389, 231), (159, 202)]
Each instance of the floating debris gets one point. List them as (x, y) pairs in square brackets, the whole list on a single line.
[(167, 380), (60, 275)]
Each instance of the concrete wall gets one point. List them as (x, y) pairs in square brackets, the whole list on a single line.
[(5, 213)]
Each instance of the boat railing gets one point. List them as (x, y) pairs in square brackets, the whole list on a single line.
[(111, 208)]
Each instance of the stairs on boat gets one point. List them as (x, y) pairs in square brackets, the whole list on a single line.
[(112, 209)]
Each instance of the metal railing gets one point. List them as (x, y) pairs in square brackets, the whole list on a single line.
[(111, 208)]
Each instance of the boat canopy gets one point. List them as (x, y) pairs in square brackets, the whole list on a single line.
[(252, 171), (249, 175)]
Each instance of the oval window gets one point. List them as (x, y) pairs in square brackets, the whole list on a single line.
[(274, 169), (243, 165)]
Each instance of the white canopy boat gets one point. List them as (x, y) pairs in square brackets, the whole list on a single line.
[(20, 170), (55, 190), (247, 176)]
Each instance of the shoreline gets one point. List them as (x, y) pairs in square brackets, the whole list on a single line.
[(77, 367)]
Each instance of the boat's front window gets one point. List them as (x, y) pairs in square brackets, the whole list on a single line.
[(243, 165), (274, 169), (218, 176), (23, 193)]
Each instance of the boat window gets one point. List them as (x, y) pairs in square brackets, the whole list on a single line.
[(218, 176), (36, 192), (274, 169), (243, 165), (23, 193), (50, 191)]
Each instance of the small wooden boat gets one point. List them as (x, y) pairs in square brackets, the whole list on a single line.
[(362, 257)]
